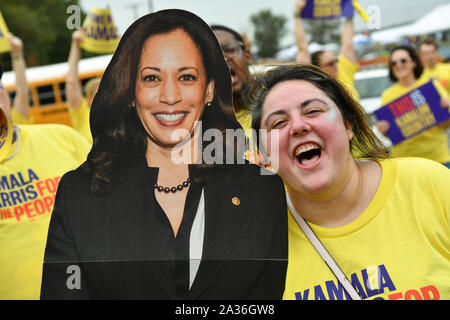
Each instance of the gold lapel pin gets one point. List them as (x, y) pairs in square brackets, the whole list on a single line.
[(236, 201)]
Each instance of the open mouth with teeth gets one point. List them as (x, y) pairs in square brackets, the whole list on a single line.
[(308, 154), (234, 74), (234, 77), (170, 119)]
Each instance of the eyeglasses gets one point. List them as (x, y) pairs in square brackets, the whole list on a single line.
[(234, 48), (400, 61), (330, 64)]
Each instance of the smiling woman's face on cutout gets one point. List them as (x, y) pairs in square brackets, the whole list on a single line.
[(313, 140), (171, 89)]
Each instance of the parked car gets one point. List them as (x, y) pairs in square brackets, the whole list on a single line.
[(370, 84)]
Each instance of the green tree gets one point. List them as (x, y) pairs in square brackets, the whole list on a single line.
[(42, 27), (323, 31), (269, 29)]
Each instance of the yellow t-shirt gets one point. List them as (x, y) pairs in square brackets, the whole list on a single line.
[(28, 184), (80, 120), (346, 74), (440, 72), (398, 248), (244, 118), (432, 143), (17, 118)]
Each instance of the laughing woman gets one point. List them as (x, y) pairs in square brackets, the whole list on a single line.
[(149, 215), (383, 222)]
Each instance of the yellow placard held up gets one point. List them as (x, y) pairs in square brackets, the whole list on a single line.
[(99, 32), (6, 134), (4, 43)]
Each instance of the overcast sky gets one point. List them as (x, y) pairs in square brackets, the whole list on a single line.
[(236, 13)]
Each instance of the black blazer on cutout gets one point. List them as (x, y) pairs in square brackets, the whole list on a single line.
[(100, 247)]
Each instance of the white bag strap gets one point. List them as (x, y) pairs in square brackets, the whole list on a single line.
[(323, 251)]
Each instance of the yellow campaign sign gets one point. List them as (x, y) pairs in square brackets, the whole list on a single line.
[(4, 43), (99, 32), (6, 134)]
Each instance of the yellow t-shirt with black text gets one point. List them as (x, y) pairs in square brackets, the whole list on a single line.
[(28, 184), (398, 248)]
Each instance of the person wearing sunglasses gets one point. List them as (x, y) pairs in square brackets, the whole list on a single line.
[(342, 68), (238, 58), (406, 71)]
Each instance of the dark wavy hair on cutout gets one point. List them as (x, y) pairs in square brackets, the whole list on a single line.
[(117, 131), (364, 144)]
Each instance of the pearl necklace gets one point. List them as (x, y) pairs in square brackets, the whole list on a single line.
[(180, 187)]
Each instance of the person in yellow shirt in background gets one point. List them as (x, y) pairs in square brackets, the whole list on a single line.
[(20, 112), (406, 71), (344, 67), (433, 68), (79, 106), (30, 170), (239, 58)]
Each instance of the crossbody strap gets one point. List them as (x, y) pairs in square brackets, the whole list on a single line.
[(323, 252)]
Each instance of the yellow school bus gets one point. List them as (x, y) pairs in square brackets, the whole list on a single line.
[(47, 87)]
